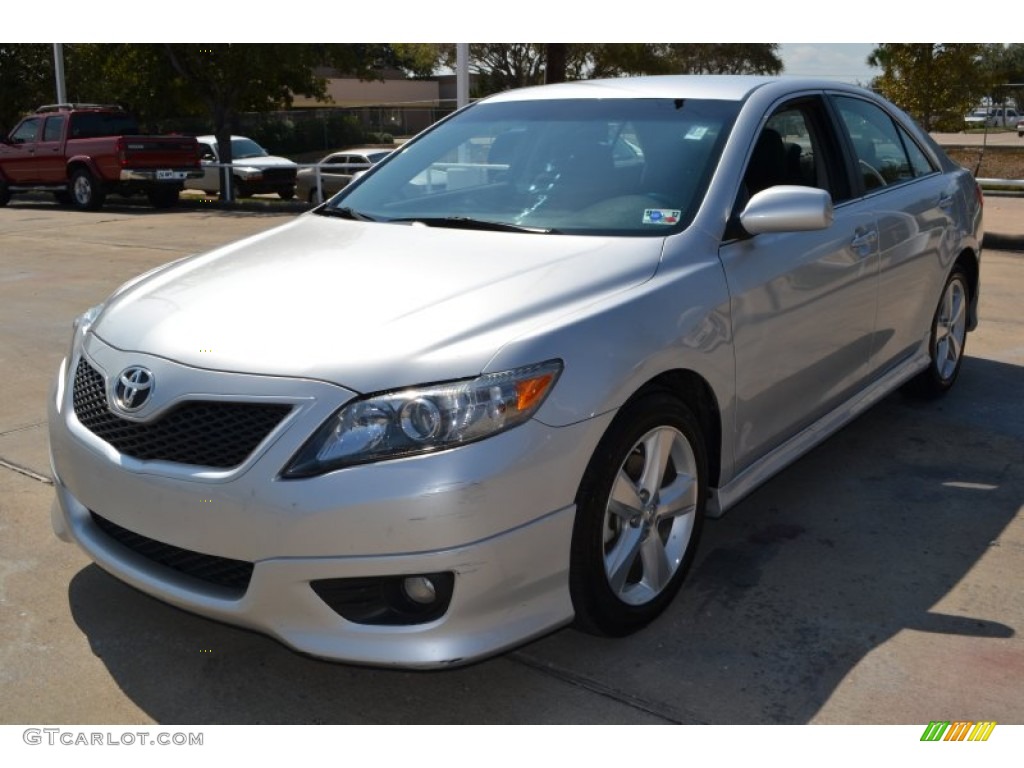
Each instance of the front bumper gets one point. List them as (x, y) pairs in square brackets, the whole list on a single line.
[(498, 514)]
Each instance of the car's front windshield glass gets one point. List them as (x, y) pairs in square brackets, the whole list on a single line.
[(241, 148), (585, 166)]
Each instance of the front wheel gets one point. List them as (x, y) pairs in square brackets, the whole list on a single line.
[(948, 338), (639, 513), (86, 192)]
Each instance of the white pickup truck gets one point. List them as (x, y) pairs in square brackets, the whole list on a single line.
[(993, 117), (254, 170)]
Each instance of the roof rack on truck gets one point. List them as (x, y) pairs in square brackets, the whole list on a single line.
[(67, 107)]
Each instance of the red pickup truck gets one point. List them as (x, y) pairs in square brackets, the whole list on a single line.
[(83, 152)]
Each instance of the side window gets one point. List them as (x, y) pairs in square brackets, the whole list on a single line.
[(54, 128), (795, 147), (27, 131), (919, 161), (885, 153)]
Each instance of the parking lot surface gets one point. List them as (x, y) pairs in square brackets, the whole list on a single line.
[(877, 580)]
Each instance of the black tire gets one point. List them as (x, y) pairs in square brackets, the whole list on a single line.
[(241, 189), (86, 193), (286, 193), (947, 341), (5, 195), (618, 579), (163, 197)]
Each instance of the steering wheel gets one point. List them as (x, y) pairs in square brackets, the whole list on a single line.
[(870, 172)]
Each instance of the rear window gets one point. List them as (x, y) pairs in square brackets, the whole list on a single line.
[(89, 125)]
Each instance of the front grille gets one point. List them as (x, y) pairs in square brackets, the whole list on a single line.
[(279, 174), (222, 571), (199, 432)]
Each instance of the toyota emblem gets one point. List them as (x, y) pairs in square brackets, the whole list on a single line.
[(132, 389)]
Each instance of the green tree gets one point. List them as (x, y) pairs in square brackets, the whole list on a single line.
[(138, 77), (936, 83), (614, 59), (229, 79), (501, 66), (1004, 69), (26, 80)]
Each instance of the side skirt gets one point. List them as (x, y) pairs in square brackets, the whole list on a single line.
[(729, 494)]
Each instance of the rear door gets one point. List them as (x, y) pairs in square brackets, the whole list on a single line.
[(49, 155), (802, 303), (913, 204)]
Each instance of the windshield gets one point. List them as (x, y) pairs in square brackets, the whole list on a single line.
[(241, 148), (610, 166)]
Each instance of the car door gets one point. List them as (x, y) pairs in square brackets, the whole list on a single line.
[(913, 205), (51, 165), (19, 153), (802, 303), (210, 182)]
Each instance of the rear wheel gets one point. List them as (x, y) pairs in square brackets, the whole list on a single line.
[(286, 193), (948, 338), (639, 513), (86, 193), (5, 195)]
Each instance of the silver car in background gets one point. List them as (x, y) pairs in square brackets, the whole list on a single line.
[(497, 383), (335, 171)]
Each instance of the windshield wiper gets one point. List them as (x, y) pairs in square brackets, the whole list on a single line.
[(345, 213), (465, 222)]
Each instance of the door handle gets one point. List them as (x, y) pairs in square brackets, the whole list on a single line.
[(864, 242), (946, 202)]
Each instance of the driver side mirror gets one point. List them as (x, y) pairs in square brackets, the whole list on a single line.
[(787, 208)]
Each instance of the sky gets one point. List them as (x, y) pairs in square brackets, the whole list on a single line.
[(842, 61)]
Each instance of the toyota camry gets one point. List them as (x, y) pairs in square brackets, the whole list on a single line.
[(496, 384)]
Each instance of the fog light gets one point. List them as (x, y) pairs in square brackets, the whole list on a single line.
[(388, 600), (420, 589)]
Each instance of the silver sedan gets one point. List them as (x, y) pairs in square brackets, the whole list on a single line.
[(496, 384)]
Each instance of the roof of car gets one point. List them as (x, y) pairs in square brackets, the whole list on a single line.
[(211, 139), (361, 151), (722, 87)]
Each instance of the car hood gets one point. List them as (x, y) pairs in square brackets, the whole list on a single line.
[(263, 161), (368, 306)]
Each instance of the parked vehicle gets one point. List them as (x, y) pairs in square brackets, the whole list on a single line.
[(254, 170), (426, 422), (335, 171), (84, 152), (992, 117)]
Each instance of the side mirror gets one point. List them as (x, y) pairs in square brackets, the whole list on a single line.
[(787, 209)]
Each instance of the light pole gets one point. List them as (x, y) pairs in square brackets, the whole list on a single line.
[(58, 72)]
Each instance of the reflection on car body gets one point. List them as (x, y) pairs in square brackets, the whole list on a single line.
[(496, 384)]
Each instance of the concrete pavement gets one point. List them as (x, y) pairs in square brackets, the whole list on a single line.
[(877, 580), (1004, 222)]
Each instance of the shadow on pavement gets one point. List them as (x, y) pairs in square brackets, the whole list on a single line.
[(849, 546)]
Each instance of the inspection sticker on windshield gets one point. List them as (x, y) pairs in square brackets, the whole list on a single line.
[(660, 216), (696, 133)]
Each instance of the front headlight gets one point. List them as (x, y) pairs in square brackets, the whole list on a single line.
[(80, 327), (424, 419)]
